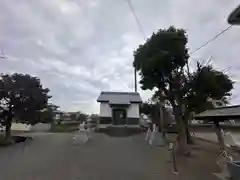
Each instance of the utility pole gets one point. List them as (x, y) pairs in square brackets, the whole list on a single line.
[(143, 34), (2, 56), (135, 79)]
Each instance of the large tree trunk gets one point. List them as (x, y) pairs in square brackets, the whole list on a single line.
[(162, 128), (187, 117), (188, 135), (8, 131), (182, 147), (8, 123)]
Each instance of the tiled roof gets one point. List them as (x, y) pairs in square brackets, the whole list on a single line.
[(227, 112), (119, 97)]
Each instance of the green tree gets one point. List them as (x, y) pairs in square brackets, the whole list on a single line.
[(22, 96), (161, 62), (81, 116), (73, 116), (94, 117), (145, 108), (204, 83), (207, 82), (78, 116), (47, 114), (94, 120), (150, 109)]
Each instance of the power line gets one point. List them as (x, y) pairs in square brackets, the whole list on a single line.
[(211, 40), (207, 42), (136, 19), (143, 34), (196, 50)]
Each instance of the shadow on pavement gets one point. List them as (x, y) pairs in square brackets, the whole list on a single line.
[(120, 131), (14, 140)]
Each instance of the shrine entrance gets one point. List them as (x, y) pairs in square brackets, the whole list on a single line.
[(119, 117)]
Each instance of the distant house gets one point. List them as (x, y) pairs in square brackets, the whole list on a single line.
[(119, 108), (63, 116)]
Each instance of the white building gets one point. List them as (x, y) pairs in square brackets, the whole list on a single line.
[(119, 108)]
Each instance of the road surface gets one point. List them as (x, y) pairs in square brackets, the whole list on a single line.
[(56, 156)]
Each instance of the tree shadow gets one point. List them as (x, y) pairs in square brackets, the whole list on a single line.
[(120, 131)]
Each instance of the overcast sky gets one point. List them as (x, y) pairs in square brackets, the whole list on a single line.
[(80, 47)]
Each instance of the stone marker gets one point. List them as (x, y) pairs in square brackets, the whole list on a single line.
[(82, 136), (148, 134), (156, 138)]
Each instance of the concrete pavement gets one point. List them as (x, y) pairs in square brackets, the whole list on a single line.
[(212, 137), (57, 156), (54, 156)]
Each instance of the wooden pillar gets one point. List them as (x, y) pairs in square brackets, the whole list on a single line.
[(219, 134)]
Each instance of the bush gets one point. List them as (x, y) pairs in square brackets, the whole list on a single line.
[(58, 128)]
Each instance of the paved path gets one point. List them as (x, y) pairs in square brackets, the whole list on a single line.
[(56, 157)]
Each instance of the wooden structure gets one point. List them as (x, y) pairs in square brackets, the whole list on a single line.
[(220, 114), (217, 115)]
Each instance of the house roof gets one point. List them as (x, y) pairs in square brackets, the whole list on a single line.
[(226, 112), (119, 97)]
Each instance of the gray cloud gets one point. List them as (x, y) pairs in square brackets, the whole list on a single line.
[(79, 47)]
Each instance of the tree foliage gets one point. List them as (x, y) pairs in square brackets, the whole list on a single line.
[(152, 110), (145, 108), (207, 82), (94, 117), (47, 114), (82, 116), (22, 96), (78, 116), (161, 58), (161, 61)]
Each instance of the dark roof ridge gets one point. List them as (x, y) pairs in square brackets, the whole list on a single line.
[(118, 92)]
